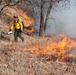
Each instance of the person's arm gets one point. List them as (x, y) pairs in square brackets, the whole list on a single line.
[(12, 27), (21, 26)]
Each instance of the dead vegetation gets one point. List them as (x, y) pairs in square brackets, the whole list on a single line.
[(33, 57), (15, 61)]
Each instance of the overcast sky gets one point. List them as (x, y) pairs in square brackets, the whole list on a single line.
[(64, 22)]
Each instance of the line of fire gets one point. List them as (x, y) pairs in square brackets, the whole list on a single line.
[(56, 48)]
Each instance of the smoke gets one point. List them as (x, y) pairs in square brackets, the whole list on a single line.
[(63, 21), (56, 25)]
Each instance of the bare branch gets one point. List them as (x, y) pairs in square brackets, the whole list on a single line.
[(9, 4)]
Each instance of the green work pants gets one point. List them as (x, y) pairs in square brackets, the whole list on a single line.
[(17, 34)]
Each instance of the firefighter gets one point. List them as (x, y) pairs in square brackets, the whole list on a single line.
[(17, 27)]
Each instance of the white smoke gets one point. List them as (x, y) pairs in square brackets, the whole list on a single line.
[(64, 22)]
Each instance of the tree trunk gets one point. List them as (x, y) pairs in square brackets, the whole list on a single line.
[(0, 32), (0, 24), (41, 31), (47, 16)]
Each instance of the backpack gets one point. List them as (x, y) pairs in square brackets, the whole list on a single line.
[(21, 22)]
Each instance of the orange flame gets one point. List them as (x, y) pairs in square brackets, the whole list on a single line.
[(59, 47), (29, 21), (31, 31)]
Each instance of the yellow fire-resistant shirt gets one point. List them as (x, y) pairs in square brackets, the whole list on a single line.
[(17, 25)]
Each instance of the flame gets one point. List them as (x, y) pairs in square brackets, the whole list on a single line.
[(31, 30), (56, 48), (29, 21)]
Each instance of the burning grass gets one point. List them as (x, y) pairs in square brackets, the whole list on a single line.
[(55, 49), (29, 21)]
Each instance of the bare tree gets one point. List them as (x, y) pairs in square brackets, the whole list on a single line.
[(41, 31), (44, 21)]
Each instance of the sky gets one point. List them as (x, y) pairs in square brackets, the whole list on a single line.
[(64, 21)]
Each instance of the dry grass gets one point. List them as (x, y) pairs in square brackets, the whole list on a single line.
[(15, 61)]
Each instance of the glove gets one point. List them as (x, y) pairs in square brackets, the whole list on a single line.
[(9, 29)]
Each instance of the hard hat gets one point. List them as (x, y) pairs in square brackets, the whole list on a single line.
[(15, 16)]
